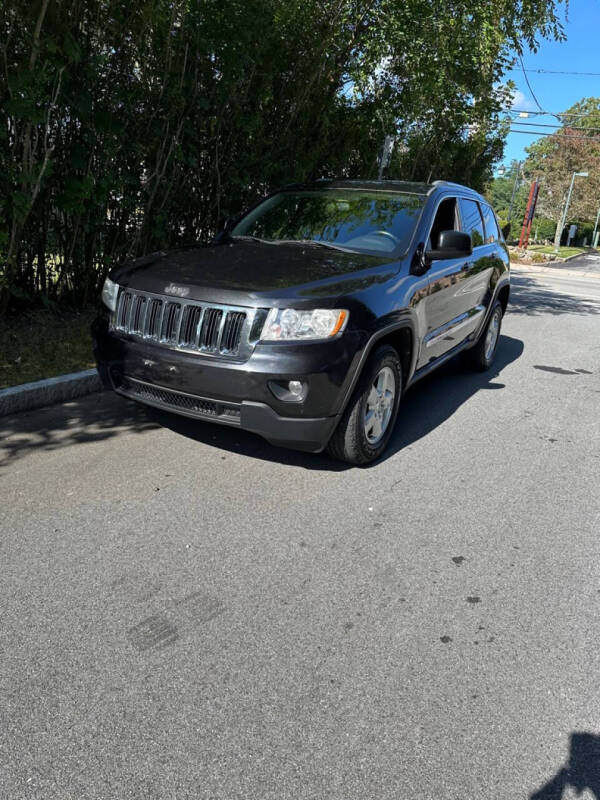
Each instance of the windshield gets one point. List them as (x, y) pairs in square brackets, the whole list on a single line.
[(349, 219)]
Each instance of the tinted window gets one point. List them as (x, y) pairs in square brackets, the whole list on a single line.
[(471, 221), (492, 234), (357, 220)]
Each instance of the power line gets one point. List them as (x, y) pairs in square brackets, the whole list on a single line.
[(558, 135), (561, 72), (550, 113), (552, 125), (528, 84)]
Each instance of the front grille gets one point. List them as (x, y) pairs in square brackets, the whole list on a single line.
[(179, 402), (185, 325)]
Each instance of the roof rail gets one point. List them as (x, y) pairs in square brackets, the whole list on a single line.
[(453, 185)]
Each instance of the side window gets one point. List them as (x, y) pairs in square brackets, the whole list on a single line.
[(492, 234), (471, 221), (446, 219)]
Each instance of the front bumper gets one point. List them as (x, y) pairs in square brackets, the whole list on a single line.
[(234, 394)]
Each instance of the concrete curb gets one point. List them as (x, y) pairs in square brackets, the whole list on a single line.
[(571, 273), (570, 258), (49, 391)]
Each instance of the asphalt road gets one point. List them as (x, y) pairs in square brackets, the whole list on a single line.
[(590, 262), (187, 612)]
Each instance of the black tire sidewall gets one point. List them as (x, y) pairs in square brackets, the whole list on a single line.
[(385, 356), (489, 361)]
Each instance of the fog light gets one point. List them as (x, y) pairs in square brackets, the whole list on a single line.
[(289, 391)]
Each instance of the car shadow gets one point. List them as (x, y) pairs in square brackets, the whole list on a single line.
[(95, 417), (533, 297), (434, 399), (101, 416), (424, 407), (581, 772)]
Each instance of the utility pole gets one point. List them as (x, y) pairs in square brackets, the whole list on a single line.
[(529, 213), (563, 221), (514, 191)]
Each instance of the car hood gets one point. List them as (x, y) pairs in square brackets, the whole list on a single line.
[(255, 273)]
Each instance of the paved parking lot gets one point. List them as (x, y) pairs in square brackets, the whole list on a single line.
[(188, 612)]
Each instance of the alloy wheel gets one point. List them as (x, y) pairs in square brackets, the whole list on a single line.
[(379, 405)]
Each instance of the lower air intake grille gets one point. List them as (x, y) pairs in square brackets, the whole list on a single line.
[(178, 402)]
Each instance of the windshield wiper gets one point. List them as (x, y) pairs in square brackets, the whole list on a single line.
[(252, 238), (330, 245), (317, 242)]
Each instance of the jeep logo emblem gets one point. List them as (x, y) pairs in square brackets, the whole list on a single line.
[(179, 291)]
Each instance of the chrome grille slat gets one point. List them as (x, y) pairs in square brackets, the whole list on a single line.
[(196, 343), (145, 314), (212, 330), (151, 328), (189, 326), (122, 313), (137, 308), (179, 321), (224, 316), (170, 322), (162, 316), (231, 332), (132, 299)]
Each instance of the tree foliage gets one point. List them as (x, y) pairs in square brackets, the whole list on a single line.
[(575, 147), (128, 127)]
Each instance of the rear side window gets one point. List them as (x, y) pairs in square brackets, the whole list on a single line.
[(471, 221), (492, 234)]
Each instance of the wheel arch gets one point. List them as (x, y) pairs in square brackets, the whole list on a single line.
[(502, 296), (402, 338)]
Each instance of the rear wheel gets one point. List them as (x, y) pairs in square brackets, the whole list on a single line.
[(483, 354), (368, 421)]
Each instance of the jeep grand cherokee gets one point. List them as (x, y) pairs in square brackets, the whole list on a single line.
[(307, 317)]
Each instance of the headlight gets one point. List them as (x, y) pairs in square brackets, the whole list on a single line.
[(288, 324), (110, 290)]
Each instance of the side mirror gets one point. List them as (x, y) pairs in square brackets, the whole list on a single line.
[(225, 223), (223, 227), (452, 244)]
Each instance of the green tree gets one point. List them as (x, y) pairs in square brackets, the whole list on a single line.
[(131, 127), (575, 147)]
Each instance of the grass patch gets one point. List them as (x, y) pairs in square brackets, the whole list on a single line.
[(42, 344), (563, 252)]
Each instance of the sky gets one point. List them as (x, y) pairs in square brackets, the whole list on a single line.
[(579, 53)]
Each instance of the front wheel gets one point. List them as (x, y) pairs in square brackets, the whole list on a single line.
[(368, 421), (483, 353)]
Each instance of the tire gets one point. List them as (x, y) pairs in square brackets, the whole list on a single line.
[(483, 353), (356, 440)]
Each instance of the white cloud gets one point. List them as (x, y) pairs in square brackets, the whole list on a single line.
[(521, 102)]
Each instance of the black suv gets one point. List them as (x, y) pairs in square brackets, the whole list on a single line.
[(307, 317)]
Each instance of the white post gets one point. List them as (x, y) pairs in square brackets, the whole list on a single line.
[(594, 236)]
